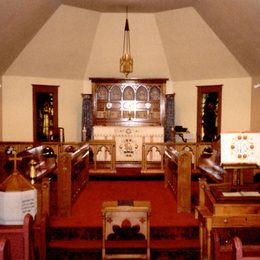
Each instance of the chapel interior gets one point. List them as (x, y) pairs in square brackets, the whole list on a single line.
[(130, 129)]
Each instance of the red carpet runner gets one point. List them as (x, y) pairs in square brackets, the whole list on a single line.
[(173, 236), (87, 209)]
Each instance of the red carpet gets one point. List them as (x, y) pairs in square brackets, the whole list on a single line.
[(87, 209)]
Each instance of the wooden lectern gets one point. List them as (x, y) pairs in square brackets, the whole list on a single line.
[(226, 206)]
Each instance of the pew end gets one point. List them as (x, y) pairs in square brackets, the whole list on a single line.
[(244, 252), (178, 168), (20, 237), (5, 253)]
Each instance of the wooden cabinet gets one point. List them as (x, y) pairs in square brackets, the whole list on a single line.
[(128, 101)]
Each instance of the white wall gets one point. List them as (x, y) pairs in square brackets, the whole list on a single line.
[(255, 108), (146, 47), (18, 110), (17, 105), (236, 103), (61, 48), (85, 44), (193, 50), (1, 113)]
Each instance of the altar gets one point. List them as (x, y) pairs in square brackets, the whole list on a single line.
[(129, 141), (129, 115)]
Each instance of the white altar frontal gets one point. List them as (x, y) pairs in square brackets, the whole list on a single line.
[(129, 140)]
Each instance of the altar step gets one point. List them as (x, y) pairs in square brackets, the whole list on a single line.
[(92, 250), (127, 173), (86, 243)]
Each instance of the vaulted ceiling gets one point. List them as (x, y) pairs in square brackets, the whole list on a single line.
[(235, 22)]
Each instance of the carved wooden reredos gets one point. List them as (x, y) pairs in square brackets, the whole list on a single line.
[(128, 101)]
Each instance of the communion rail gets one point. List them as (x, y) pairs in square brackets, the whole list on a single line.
[(178, 177), (153, 157), (103, 156)]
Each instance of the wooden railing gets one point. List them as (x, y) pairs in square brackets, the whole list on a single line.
[(178, 177), (196, 150), (72, 175), (149, 164), (106, 149)]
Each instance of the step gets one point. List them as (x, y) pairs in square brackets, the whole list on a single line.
[(164, 244), (178, 244), (76, 244)]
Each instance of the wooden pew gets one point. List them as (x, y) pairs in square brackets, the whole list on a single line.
[(40, 237), (45, 179), (4, 159), (227, 244), (196, 150), (24, 242), (39, 165), (211, 170), (72, 177), (44, 160), (5, 253), (244, 252), (9, 146), (36, 231), (178, 177), (21, 239), (225, 207)]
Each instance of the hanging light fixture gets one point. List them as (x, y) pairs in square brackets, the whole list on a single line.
[(126, 61)]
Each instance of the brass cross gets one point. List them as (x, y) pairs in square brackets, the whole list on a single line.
[(15, 159)]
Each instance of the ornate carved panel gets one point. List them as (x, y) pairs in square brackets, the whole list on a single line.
[(129, 140), (136, 102)]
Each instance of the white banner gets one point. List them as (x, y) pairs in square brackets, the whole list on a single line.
[(240, 148)]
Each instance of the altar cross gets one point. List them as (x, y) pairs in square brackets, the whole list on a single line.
[(15, 159)]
